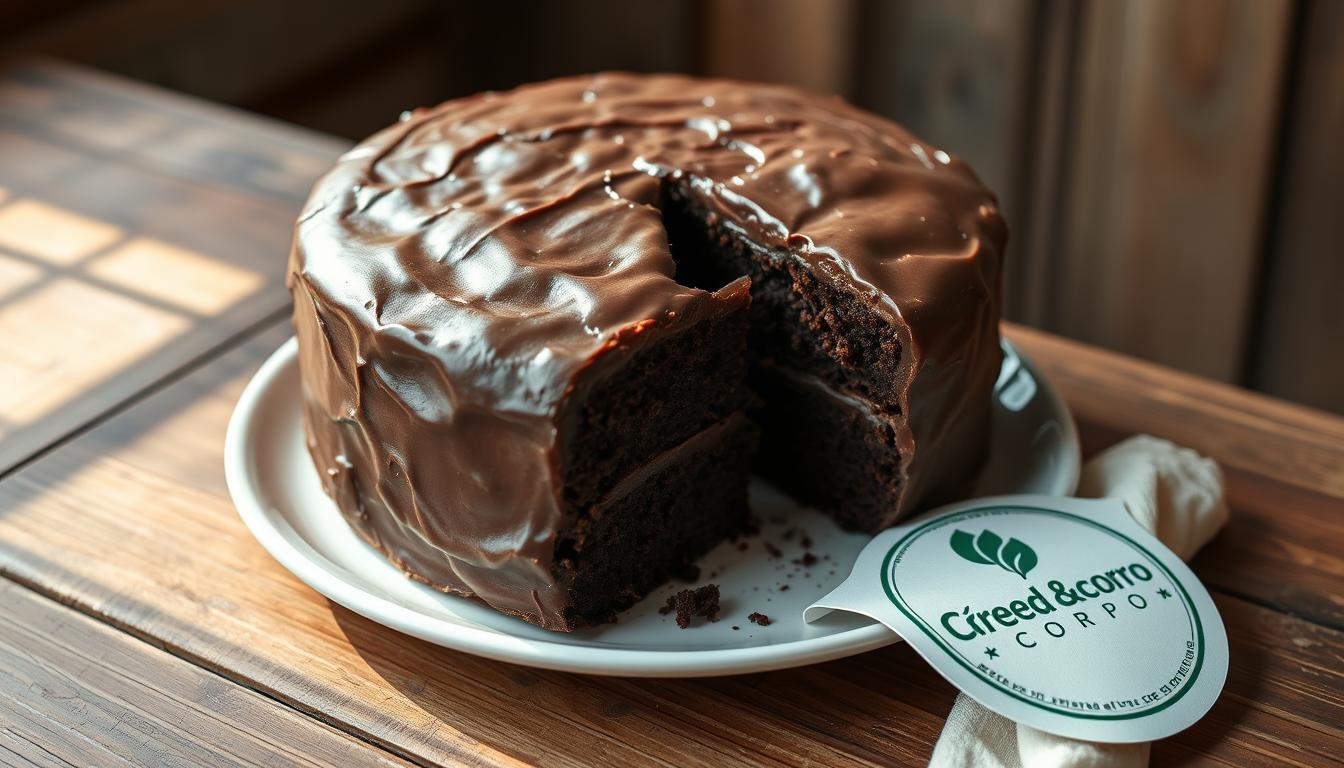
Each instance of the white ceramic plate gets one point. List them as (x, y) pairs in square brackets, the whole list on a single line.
[(277, 492)]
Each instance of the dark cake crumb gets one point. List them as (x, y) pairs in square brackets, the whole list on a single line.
[(707, 601), (688, 603), (806, 541), (784, 588), (760, 618), (736, 628), (684, 603), (742, 546), (807, 560), (773, 550)]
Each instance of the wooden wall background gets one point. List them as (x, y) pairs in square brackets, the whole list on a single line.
[(1173, 170)]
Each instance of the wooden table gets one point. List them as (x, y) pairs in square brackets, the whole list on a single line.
[(142, 242)]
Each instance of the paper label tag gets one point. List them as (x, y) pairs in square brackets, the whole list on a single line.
[(1059, 613)]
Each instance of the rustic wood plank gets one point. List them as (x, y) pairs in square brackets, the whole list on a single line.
[(817, 53), (1293, 537), (74, 691), (1291, 444), (1032, 273), (131, 523), (1167, 185), (195, 47), (959, 74), (124, 209), (1284, 699), (124, 123), (1303, 317)]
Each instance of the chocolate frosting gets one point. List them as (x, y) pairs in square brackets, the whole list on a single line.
[(462, 276)]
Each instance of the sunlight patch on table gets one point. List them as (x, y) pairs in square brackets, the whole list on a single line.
[(52, 234), (68, 337), (15, 275), (175, 275)]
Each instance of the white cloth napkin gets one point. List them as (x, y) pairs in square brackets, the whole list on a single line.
[(1177, 495)]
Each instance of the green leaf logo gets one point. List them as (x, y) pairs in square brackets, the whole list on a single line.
[(989, 549)]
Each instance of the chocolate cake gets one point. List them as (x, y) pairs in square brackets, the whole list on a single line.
[(545, 334)]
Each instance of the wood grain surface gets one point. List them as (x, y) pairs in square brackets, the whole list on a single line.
[(76, 692), (1295, 445), (1164, 198), (823, 64), (176, 635), (1305, 277), (138, 232)]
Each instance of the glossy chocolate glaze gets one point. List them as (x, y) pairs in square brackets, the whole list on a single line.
[(462, 277)]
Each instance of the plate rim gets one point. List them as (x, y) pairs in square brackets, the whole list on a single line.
[(243, 430)]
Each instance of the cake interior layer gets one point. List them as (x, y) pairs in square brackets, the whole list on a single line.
[(796, 320), (666, 392), (823, 365), (829, 450), (657, 520)]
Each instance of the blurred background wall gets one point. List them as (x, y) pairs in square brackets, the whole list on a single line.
[(1172, 170)]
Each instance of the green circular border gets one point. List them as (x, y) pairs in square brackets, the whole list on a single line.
[(892, 595)]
